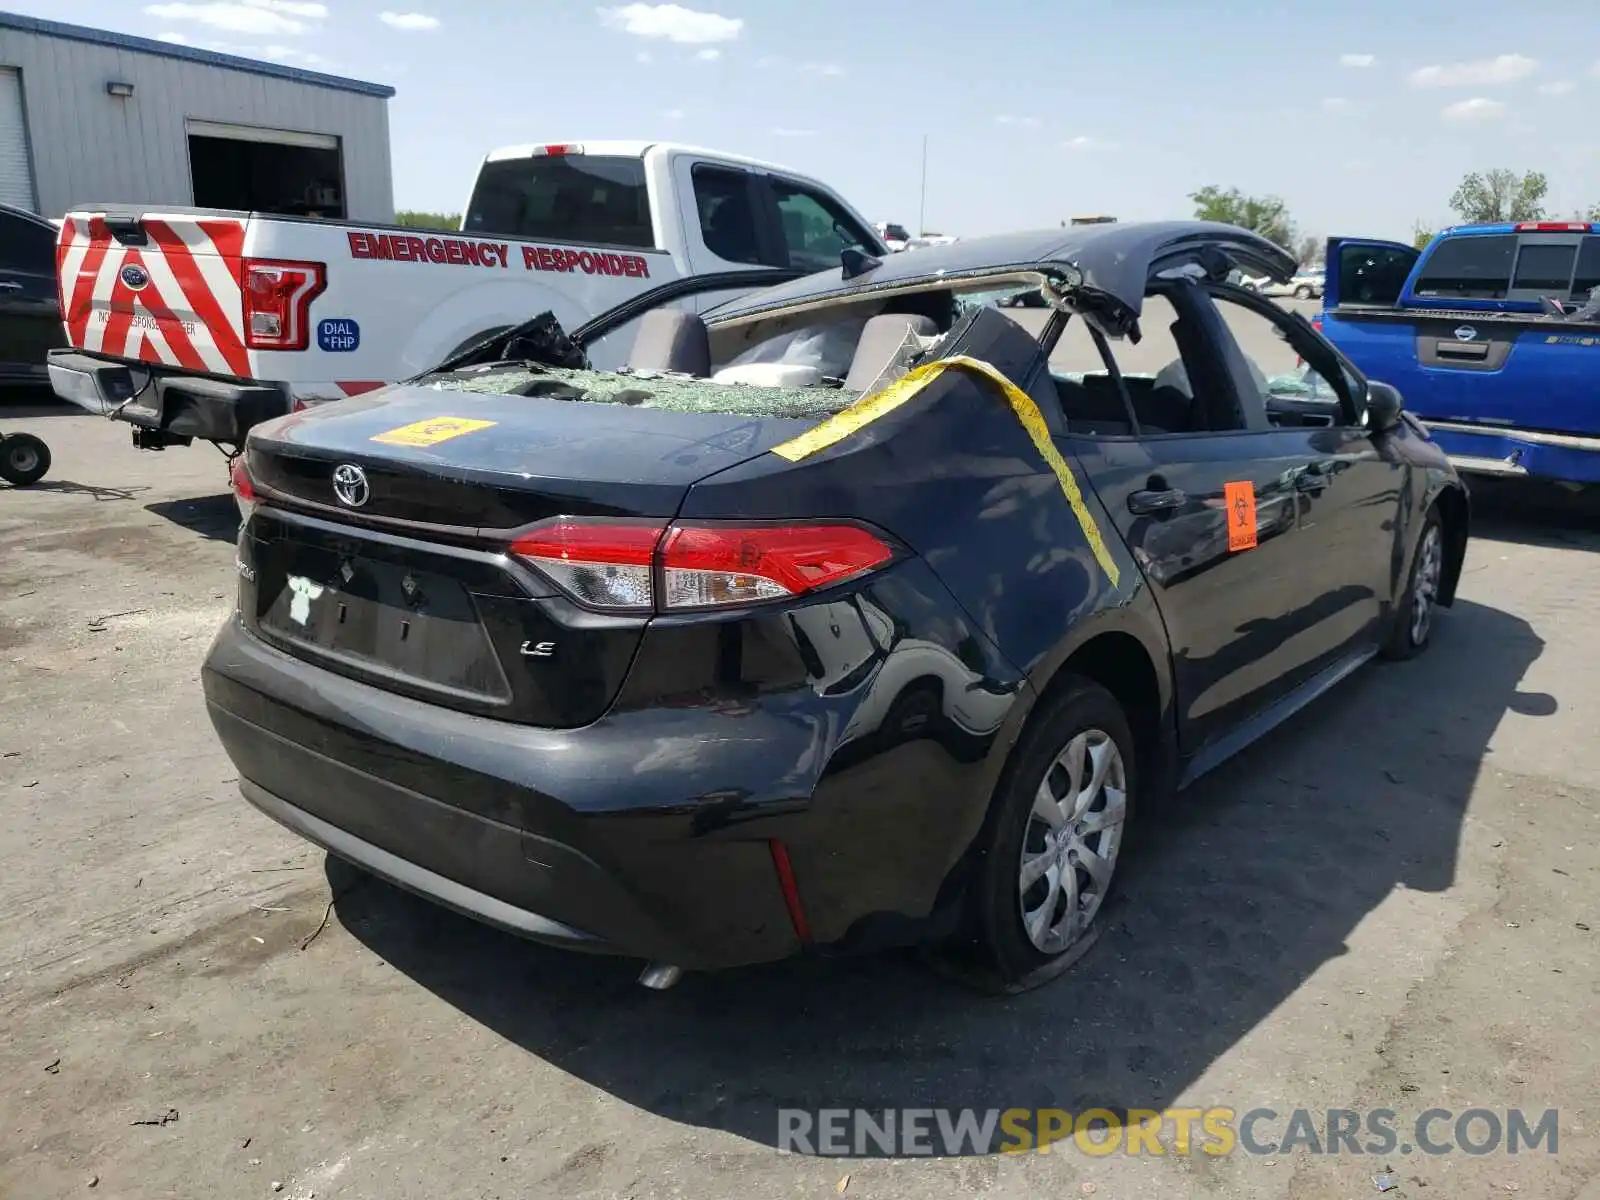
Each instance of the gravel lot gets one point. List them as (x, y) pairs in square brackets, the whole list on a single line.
[(1394, 901)]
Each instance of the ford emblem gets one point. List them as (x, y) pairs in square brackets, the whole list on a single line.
[(350, 485), (1465, 333), (135, 277)]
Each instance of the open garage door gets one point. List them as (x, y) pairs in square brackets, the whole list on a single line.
[(16, 172), (266, 170)]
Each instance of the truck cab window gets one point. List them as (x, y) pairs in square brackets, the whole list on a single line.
[(1587, 274), (727, 217), (599, 199), (1546, 268), (1475, 267), (815, 230)]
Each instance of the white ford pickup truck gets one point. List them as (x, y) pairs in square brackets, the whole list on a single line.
[(200, 323)]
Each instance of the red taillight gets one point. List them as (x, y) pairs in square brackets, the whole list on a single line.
[(240, 478), (1553, 227), (557, 148), (641, 567), (277, 302)]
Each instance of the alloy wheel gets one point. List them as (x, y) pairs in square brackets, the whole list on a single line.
[(1425, 589), (1072, 839)]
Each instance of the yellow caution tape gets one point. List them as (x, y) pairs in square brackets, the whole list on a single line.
[(869, 408)]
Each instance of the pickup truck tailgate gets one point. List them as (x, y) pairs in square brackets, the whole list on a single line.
[(156, 288)]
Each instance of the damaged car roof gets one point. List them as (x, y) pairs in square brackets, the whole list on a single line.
[(1114, 260)]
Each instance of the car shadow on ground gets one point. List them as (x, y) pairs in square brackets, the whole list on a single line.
[(1533, 513), (215, 517), (1246, 887)]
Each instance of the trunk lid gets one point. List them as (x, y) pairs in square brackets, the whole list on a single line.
[(377, 547), (162, 288)]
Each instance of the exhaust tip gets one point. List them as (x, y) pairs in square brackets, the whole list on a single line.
[(658, 977)]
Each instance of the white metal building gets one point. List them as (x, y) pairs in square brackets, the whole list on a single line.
[(90, 116)]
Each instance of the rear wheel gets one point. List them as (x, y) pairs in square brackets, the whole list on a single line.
[(1055, 836), (24, 459), (1413, 618), (1302, 292)]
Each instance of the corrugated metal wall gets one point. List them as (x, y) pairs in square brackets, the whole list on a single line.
[(88, 146)]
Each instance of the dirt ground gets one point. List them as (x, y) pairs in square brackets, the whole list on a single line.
[(1393, 902)]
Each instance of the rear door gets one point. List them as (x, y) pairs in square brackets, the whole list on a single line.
[(161, 288), (30, 322), (1366, 272)]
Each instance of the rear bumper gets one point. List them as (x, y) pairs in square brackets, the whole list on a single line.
[(495, 820), (179, 405), (1518, 453)]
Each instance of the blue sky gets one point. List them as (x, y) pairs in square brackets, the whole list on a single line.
[(1363, 115)]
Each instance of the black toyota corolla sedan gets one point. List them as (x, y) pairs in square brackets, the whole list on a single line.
[(856, 611)]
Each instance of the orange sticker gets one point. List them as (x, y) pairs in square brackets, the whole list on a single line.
[(1240, 499)]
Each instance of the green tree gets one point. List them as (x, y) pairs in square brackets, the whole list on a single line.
[(1421, 235), (1266, 215), (428, 220), (1310, 250), (1500, 195)]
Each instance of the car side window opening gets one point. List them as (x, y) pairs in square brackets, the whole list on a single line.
[(727, 217), (815, 229), (1475, 267), (1300, 381), (1169, 381), (26, 246)]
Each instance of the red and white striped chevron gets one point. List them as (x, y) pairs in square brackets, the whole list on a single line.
[(190, 311)]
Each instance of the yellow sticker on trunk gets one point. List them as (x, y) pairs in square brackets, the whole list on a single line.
[(432, 431)]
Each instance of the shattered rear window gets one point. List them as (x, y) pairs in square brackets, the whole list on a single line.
[(648, 390)]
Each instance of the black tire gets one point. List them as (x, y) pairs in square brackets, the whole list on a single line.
[(24, 459), (1409, 636), (1010, 959), (1302, 292)]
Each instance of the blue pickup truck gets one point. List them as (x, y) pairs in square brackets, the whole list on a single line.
[(1491, 336)]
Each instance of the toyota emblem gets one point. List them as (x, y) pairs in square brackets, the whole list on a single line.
[(1465, 333), (350, 485), (135, 277)]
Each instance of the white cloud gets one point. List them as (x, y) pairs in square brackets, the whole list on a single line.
[(260, 17), (263, 18), (410, 22), (709, 54), (1335, 104), (831, 69), (643, 58), (1356, 60), (1504, 68), (1558, 88), (1025, 122), (1085, 142), (176, 39), (672, 22), (672, 114), (781, 132), (1477, 109)]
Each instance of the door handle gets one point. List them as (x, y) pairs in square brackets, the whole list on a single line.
[(1149, 503)]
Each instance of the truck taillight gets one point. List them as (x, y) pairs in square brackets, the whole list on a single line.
[(1553, 227), (626, 566), (277, 302), (556, 148)]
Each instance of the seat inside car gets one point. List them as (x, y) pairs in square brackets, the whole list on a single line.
[(881, 341), (670, 339)]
